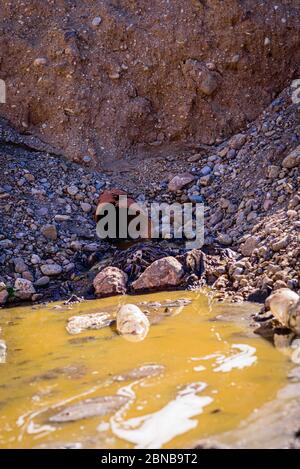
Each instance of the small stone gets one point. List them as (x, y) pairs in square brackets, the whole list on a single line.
[(132, 323), (86, 208), (293, 214), (49, 231), (40, 61), (279, 244), (224, 239), (96, 21), (86, 159), (251, 243), (35, 259), (42, 281), (180, 181), (24, 289), (110, 281), (3, 351), (194, 158), (292, 160), (51, 270), (95, 321), (208, 83), (69, 267), (28, 275), (165, 272), (6, 244), (237, 141), (205, 180)]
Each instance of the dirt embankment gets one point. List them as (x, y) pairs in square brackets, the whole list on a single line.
[(108, 78)]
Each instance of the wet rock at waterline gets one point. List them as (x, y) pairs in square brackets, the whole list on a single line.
[(77, 324), (284, 304), (163, 273), (110, 281), (96, 407), (132, 323), (3, 351)]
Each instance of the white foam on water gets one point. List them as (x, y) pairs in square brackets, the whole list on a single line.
[(244, 359), (152, 431)]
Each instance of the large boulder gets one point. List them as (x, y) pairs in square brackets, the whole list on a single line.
[(110, 281), (163, 273)]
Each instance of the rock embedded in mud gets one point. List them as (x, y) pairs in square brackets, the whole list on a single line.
[(97, 407), (20, 265), (180, 181), (24, 289), (77, 324), (96, 21), (163, 273), (292, 160), (110, 281), (132, 323), (51, 270)]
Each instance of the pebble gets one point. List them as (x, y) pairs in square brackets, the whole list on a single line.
[(86, 207), (24, 289), (132, 323), (20, 265), (42, 281), (51, 270)]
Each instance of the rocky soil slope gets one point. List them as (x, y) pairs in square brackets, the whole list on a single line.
[(110, 80)]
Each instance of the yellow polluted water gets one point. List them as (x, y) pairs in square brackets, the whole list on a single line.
[(210, 373)]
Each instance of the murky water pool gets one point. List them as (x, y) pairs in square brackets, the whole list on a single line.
[(210, 373)]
